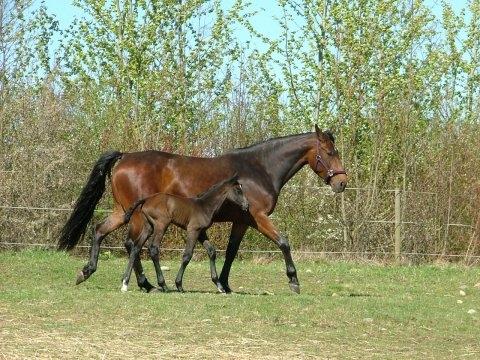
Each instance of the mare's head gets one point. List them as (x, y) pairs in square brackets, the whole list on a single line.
[(235, 192), (325, 161)]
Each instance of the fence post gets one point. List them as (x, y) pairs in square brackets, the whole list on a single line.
[(398, 224)]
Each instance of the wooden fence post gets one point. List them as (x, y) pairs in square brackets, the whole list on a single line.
[(398, 225)]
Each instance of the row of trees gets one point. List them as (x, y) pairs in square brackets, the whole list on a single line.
[(398, 85)]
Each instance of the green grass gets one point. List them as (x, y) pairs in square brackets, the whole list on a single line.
[(345, 310)]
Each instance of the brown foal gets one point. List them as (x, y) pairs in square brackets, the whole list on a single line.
[(192, 214)]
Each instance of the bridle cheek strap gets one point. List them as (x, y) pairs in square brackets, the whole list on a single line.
[(330, 172)]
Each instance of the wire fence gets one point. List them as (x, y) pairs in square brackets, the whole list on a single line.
[(393, 244), (301, 252)]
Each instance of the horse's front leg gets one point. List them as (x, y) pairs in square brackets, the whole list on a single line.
[(266, 227), (236, 236)]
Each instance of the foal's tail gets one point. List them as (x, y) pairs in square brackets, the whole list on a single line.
[(129, 212), (87, 201)]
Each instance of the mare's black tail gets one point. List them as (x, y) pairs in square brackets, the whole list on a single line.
[(129, 212), (87, 201)]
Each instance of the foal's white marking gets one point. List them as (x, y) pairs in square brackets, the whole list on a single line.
[(124, 286)]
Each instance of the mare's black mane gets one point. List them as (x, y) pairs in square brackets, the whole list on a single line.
[(275, 142)]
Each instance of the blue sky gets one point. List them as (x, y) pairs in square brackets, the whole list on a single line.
[(65, 11), (264, 21)]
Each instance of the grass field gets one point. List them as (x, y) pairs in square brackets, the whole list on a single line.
[(345, 310)]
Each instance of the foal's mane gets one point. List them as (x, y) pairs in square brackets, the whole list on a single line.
[(212, 189)]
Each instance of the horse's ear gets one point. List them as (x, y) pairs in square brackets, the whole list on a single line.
[(329, 134), (325, 136)]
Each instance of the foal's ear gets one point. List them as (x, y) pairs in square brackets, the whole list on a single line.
[(234, 178)]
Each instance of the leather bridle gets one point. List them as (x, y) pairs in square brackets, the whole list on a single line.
[(330, 172)]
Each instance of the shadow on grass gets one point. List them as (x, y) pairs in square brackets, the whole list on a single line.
[(362, 295), (211, 292)]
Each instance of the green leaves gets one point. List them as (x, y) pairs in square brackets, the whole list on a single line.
[(162, 59)]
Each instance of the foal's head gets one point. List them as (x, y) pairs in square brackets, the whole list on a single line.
[(235, 192), (227, 189)]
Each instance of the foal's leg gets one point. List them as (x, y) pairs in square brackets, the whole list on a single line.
[(192, 236), (154, 251), (134, 253), (111, 223), (212, 254)]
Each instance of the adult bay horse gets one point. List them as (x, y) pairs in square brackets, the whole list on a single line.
[(263, 170)]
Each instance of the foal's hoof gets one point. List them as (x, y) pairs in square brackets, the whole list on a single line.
[(154, 290), (220, 288), (80, 277), (295, 288)]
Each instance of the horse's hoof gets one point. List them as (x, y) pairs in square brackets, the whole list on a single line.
[(153, 290), (163, 288), (180, 289), (220, 289), (295, 288), (226, 289), (80, 277)]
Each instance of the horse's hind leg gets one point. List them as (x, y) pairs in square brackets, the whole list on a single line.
[(142, 280), (111, 223), (134, 254), (212, 255), (136, 227)]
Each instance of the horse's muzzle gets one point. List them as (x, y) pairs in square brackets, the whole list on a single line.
[(338, 183)]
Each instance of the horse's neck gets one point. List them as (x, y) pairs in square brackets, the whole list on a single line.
[(287, 159)]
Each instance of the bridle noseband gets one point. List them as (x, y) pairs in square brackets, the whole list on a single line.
[(330, 172)]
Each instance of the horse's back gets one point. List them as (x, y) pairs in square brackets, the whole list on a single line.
[(141, 174)]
